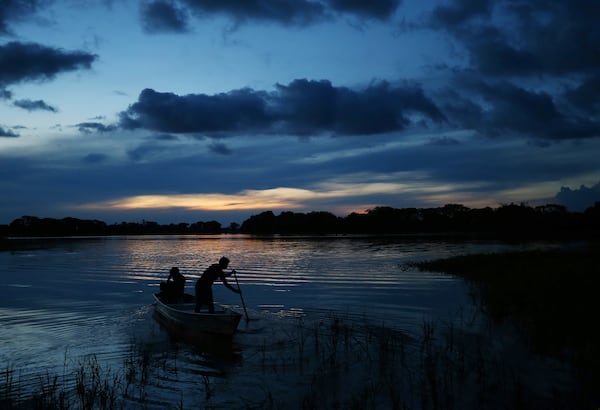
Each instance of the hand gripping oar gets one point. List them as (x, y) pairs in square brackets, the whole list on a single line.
[(241, 297)]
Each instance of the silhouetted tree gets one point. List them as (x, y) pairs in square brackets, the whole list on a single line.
[(34, 226), (290, 222), (211, 227), (515, 219), (592, 217), (263, 223), (322, 222), (356, 223)]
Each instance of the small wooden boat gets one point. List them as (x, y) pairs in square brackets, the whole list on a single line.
[(183, 318)]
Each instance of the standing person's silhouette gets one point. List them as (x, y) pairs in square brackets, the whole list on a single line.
[(204, 294)]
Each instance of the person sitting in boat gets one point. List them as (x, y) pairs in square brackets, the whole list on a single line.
[(172, 290), (204, 296)]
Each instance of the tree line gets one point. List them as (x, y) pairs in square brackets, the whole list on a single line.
[(34, 226), (513, 220), (518, 220)]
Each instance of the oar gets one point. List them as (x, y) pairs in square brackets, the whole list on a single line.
[(241, 297)]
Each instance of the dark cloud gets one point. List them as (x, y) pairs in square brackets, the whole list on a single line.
[(161, 16), (491, 55), (167, 112), (302, 107), (497, 108), (30, 61), (511, 46), (307, 107), (461, 110), (5, 133), (16, 10), (526, 37), (36, 105), (579, 199), (517, 109), (89, 127)]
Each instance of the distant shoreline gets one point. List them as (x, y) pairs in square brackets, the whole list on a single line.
[(513, 221)]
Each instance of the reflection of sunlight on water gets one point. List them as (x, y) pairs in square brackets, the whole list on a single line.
[(94, 297)]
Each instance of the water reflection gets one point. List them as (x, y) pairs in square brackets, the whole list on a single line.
[(211, 345), (93, 296)]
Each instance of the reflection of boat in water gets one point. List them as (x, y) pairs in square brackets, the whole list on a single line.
[(182, 319)]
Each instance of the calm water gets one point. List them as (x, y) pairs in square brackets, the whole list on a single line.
[(62, 299)]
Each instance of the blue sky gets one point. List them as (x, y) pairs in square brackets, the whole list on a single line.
[(187, 110)]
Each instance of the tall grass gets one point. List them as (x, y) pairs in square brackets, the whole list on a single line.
[(87, 385), (349, 364), (550, 299), (332, 362), (552, 295)]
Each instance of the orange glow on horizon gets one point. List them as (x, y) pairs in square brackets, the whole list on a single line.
[(285, 197), (245, 200)]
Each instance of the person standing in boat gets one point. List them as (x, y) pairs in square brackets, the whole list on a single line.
[(204, 296)]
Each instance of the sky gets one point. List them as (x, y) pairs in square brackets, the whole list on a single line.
[(195, 110)]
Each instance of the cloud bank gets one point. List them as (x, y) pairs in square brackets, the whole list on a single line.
[(531, 66), (303, 107), (308, 107), (30, 61), (12, 11), (163, 16), (27, 62)]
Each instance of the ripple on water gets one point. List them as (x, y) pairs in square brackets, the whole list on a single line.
[(70, 300)]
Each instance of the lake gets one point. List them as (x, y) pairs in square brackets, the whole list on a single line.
[(64, 300)]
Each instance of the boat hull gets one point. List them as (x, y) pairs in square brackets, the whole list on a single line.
[(182, 318)]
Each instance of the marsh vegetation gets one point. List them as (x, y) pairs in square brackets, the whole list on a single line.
[(328, 362), (548, 298)]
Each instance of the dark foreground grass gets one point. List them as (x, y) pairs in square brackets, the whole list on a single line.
[(550, 296), (333, 362)]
